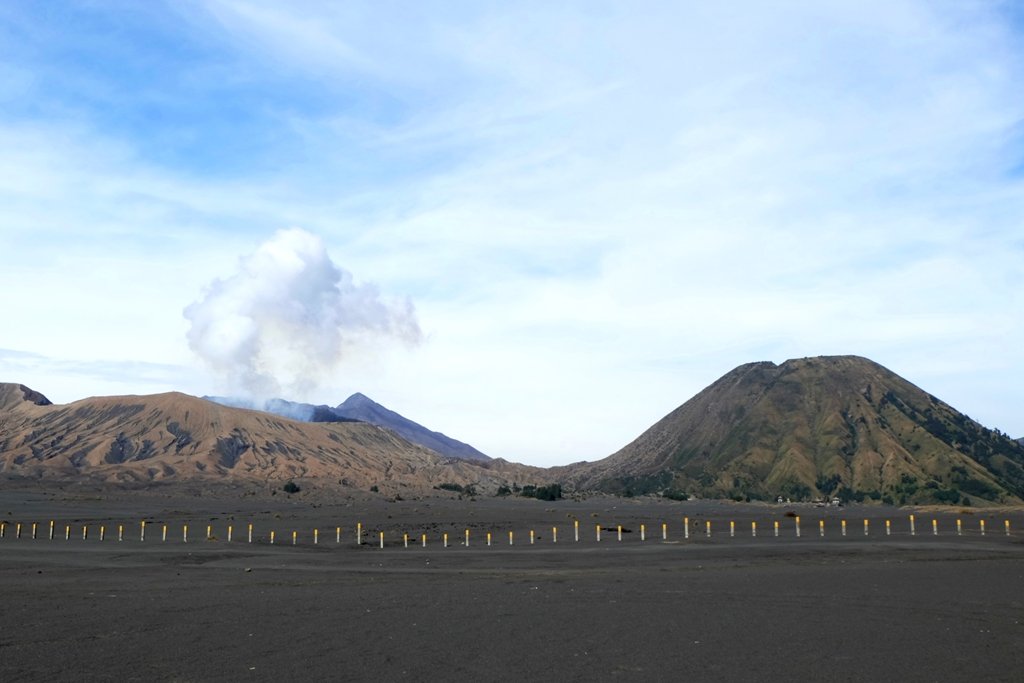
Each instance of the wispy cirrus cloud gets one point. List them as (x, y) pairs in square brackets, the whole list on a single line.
[(73, 379)]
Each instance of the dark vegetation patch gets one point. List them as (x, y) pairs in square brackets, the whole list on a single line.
[(549, 492), (468, 489), (638, 485)]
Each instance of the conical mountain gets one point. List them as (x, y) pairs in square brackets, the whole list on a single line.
[(815, 427), (360, 407)]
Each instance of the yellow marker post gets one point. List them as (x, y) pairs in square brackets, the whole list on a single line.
[(913, 531), (664, 531), (796, 521), (209, 532), (598, 531), (488, 539), (316, 537), (337, 534), (424, 540), (821, 527), (888, 528), (732, 529), (467, 538), (959, 527), (250, 533), (1006, 525), (865, 527), (686, 528), (33, 531), (753, 529), (576, 530), (935, 527), (67, 533), (142, 531), (184, 533), (405, 540), (359, 533), (532, 537), (17, 531), (982, 527), (510, 538), (51, 529), (295, 537), (776, 528), (272, 534), (707, 528), (843, 525), (446, 539), (382, 540), (3, 529), (163, 535), (643, 533), (230, 528), (620, 532), (120, 533), (554, 534), (85, 533), (103, 532)]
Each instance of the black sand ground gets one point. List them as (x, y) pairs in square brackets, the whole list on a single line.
[(876, 607)]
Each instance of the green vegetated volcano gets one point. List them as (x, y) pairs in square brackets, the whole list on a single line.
[(815, 427)]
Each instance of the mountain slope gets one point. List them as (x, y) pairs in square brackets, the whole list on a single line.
[(815, 427), (303, 412), (359, 407), (175, 437)]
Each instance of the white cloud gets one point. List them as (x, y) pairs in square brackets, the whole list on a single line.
[(289, 318)]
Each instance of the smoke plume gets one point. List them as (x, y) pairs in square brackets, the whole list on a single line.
[(289, 317)]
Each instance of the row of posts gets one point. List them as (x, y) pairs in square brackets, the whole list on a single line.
[(511, 538)]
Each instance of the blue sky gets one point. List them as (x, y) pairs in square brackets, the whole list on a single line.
[(595, 208)]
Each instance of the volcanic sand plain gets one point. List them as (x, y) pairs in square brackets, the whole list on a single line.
[(921, 607)]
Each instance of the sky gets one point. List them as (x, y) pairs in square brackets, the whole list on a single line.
[(537, 227)]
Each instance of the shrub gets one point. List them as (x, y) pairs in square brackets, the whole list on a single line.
[(947, 496), (796, 491), (550, 492), (291, 487), (978, 488)]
